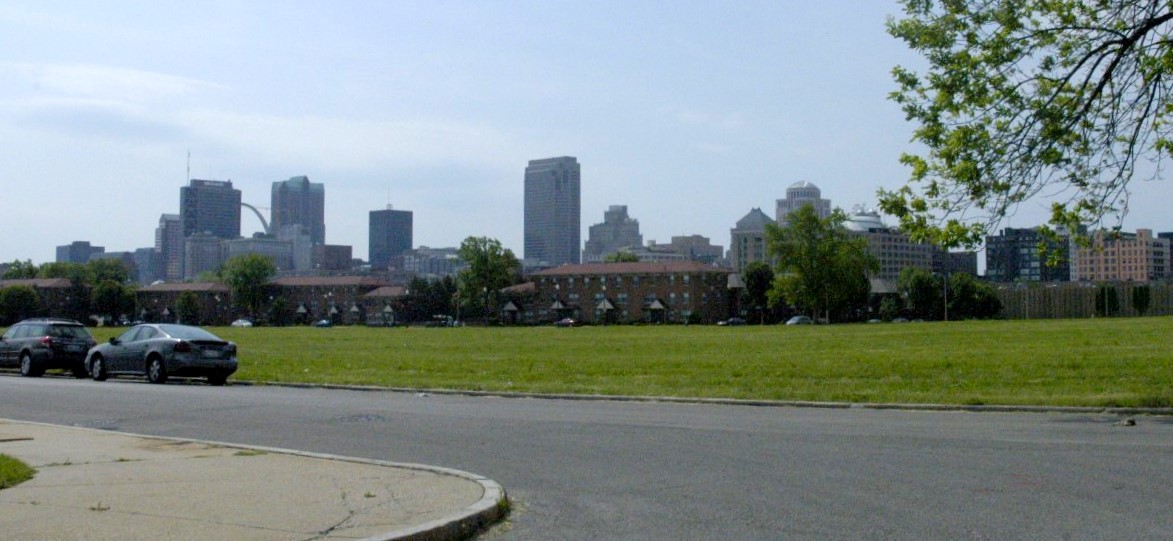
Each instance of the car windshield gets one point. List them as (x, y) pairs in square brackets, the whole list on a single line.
[(184, 332)]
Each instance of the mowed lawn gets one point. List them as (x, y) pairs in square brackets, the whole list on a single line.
[(1095, 362)]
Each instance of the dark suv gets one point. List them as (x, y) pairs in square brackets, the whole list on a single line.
[(39, 344)]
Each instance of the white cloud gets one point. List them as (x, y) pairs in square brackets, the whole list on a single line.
[(105, 82)]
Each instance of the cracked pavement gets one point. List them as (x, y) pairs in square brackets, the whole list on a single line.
[(100, 485)]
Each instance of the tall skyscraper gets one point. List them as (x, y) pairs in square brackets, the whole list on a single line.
[(169, 244), (553, 217), (79, 251), (298, 201), (211, 207), (390, 235)]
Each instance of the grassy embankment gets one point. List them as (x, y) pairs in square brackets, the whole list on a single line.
[(1101, 362)]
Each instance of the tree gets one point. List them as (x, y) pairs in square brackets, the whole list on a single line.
[(759, 278), (490, 268), (100, 270), (17, 303), (822, 269), (621, 257), (971, 299), (247, 276), (18, 270), (1107, 301), (110, 299), (1142, 299), (923, 292), (1020, 99), (187, 308)]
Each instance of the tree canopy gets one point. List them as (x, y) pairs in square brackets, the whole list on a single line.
[(621, 257), (248, 276), (822, 269), (491, 267), (1030, 98)]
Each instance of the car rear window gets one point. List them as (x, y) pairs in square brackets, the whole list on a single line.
[(69, 331), (188, 333)]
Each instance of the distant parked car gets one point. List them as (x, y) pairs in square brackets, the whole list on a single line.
[(323, 323), (39, 344), (160, 351), (800, 320), (566, 322), (732, 321), (242, 323)]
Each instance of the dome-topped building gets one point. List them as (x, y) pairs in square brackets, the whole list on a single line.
[(799, 194)]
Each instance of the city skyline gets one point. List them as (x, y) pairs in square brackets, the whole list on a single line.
[(689, 116)]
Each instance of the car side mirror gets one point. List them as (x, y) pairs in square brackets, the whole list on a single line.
[(113, 340)]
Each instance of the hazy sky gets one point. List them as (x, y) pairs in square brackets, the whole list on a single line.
[(690, 113)]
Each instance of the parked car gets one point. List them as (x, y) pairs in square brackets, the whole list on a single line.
[(732, 321), (242, 323), (566, 322), (323, 323), (160, 351), (800, 320), (36, 345)]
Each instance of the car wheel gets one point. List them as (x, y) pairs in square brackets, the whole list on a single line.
[(29, 369), (156, 372), (98, 368), (217, 379)]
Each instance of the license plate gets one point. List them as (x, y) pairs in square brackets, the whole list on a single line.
[(212, 353), (73, 349)]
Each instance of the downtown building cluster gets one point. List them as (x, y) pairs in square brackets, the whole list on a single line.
[(686, 278)]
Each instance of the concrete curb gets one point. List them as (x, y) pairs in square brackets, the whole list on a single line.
[(726, 401), (464, 524)]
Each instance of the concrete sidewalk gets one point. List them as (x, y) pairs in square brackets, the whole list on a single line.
[(99, 485)]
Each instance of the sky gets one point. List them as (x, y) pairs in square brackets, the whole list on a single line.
[(691, 113)]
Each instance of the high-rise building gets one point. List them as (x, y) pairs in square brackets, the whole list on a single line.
[(298, 201), (618, 231), (1014, 256), (799, 194), (748, 239), (78, 251), (1123, 257), (390, 235), (893, 250), (211, 207), (553, 217), (169, 244)]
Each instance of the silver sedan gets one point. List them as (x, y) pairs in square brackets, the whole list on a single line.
[(160, 350)]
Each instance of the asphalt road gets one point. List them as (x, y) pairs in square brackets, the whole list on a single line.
[(631, 470)]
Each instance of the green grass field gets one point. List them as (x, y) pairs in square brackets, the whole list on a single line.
[(1102, 362)]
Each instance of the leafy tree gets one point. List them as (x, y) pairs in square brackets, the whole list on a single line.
[(101, 270), (889, 308), (17, 303), (822, 269), (971, 299), (75, 272), (759, 278), (621, 257), (1142, 299), (187, 308), (247, 276), (280, 312), (18, 270), (924, 293), (490, 268), (1025, 98), (427, 298), (111, 299)]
